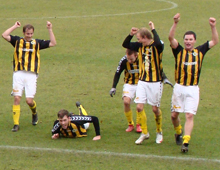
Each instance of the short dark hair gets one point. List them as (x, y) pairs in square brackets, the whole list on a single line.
[(62, 113), (190, 33), (130, 52), (28, 26)]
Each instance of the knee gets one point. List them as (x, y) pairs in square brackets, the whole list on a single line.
[(156, 110), (126, 103), (17, 100), (29, 102), (139, 108), (174, 116), (189, 116)]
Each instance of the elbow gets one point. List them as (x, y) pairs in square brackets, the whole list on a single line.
[(125, 45), (215, 42), (6, 37), (52, 44), (3, 36), (170, 38), (55, 43)]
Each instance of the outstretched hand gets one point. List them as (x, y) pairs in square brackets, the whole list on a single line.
[(97, 137), (55, 136)]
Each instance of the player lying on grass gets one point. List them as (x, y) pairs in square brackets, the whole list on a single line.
[(71, 126)]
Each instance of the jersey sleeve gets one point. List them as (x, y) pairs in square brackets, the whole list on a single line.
[(120, 68), (43, 43), (87, 119), (204, 47), (158, 43), (56, 127), (131, 45), (14, 39), (95, 122), (177, 50)]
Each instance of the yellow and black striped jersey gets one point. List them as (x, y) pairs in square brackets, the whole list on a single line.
[(76, 126), (73, 130), (26, 54), (150, 57), (131, 72), (188, 64), (151, 68)]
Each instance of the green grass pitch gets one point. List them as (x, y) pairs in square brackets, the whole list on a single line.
[(81, 67)]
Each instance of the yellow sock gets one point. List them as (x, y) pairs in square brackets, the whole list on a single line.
[(138, 119), (186, 138), (178, 129), (16, 114), (129, 117), (143, 120), (82, 111), (33, 108), (158, 120)]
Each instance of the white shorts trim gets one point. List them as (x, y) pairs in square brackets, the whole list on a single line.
[(86, 125), (185, 99)]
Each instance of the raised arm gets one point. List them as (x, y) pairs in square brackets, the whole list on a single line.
[(52, 37), (134, 31), (173, 41), (215, 39), (156, 36), (6, 34), (127, 42)]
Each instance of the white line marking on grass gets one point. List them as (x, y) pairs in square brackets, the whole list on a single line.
[(109, 153), (174, 5)]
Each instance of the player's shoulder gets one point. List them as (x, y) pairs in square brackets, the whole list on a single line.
[(56, 121), (124, 57), (38, 40), (179, 47), (15, 37), (206, 44), (123, 60), (41, 41)]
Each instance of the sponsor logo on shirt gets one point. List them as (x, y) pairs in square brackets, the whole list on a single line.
[(27, 50), (189, 63), (133, 71)]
